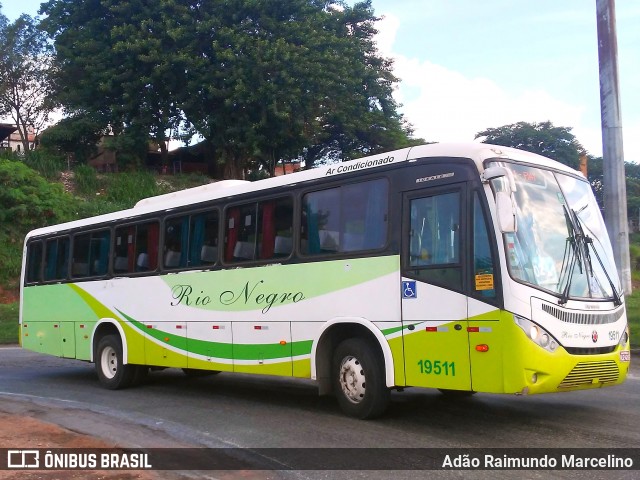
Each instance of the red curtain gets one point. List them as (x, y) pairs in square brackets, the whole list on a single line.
[(268, 229)]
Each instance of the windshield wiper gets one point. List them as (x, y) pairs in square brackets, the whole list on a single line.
[(573, 254), (588, 241)]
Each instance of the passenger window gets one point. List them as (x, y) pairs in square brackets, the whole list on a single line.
[(91, 254), (56, 259), (345, 219), (434, 239), (34, 262), (136, 248), (191, 240), (259, 231)]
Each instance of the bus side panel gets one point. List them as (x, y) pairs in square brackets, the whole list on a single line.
[(210, 346), (486, 340), (67, 339), (50, 317), (82, 334)]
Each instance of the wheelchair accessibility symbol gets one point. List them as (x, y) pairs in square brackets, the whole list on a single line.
[(409, 289)]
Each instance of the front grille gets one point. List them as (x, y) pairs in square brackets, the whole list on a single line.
[(590, 351), (583, 318), (590, 373)]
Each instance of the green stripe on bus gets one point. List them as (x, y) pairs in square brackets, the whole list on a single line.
[(265, 351)]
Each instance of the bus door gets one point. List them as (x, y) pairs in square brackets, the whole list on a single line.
[(434, 305)]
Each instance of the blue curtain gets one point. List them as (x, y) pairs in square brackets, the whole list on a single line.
[(52, 260), (197, 239)]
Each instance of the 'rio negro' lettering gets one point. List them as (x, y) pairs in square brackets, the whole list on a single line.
[(249, 294), (254, 294), (183, 295)]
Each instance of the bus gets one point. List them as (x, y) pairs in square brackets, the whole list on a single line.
[(460, 267)]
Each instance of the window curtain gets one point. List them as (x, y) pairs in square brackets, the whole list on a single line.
[(52, 260), (268, 229), (197, 239), (103, 254)]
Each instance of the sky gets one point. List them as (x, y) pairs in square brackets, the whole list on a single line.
[(468, 65)]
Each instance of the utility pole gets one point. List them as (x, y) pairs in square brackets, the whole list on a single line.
[(615, 191)]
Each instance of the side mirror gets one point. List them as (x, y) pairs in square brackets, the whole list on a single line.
[(498, 172), (506, 213)]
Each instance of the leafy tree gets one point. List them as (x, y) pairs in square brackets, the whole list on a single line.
[(543, 138), (261, 81), (77, 134), (25, 67), (119, 58)]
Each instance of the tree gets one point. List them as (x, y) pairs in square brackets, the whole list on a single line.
[(543, 138), (261, 81), (78, 134), (120, 59), (25, 68)]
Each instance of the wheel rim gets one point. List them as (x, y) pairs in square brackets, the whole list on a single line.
[(109, 362), (352, 379)]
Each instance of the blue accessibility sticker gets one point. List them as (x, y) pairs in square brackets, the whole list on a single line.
[(409, 289)]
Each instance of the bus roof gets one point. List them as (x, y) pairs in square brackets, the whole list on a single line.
[(478, 152)]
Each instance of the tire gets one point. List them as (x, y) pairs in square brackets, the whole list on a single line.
[(112, 372), (196, 373), (359, 379)]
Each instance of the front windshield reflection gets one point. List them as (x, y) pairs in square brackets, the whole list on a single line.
[(544, 251)]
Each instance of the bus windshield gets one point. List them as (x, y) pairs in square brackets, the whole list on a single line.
[(561, 244)]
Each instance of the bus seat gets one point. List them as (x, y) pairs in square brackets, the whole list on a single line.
[(172, 259), (329, 240), (283, 245), (143, 261), (209, 254), (121, 264), (80, 269), (244, 250)]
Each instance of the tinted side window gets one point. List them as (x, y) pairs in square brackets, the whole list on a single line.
[(191, 240), (259, 231), (91, 254), (136, 248), (57, 258), (345, 219), (34, 262)]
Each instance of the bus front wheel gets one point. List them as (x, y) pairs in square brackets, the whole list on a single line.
[(110, 367), (359, 380)]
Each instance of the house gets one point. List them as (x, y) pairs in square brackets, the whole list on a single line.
[(10, 138)]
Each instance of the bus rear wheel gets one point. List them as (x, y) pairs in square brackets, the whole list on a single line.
[(112, 372), (359, 380)]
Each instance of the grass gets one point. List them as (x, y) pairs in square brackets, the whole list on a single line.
[(9, 323)]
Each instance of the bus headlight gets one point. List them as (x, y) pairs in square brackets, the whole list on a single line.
[(536, 333)]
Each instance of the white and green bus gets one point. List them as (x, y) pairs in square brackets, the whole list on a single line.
[(462, 267)]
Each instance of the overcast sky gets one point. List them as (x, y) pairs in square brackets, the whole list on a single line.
[(467, 65)]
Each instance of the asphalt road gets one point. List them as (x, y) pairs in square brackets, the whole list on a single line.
[(233, 410)]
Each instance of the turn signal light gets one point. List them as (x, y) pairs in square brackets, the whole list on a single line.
[(482, 347)]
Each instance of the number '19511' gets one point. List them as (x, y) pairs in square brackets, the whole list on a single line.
[(437, 367)]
